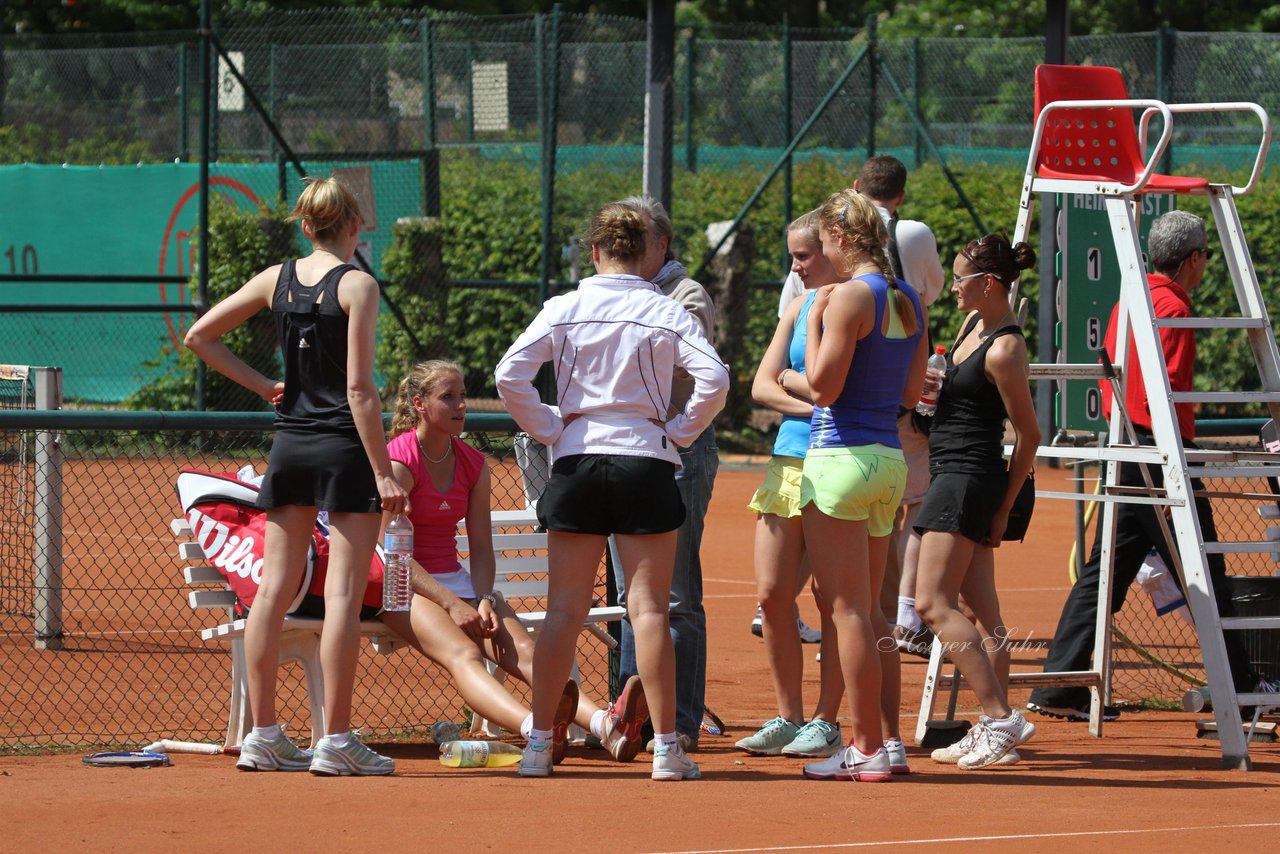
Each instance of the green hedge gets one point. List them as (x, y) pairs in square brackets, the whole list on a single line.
[(490, 228), (491, 218)]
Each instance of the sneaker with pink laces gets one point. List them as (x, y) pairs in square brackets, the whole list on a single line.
[(624, 720), (852, 764)]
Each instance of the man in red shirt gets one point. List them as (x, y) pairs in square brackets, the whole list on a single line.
[(1179, 252)]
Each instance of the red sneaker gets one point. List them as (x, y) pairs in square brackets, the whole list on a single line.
[(565, 712), (624, 720)]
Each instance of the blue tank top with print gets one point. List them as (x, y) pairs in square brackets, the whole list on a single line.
[(866, 412), (793, 432)]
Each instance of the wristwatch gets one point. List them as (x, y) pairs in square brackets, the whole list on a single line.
[(491, 598)]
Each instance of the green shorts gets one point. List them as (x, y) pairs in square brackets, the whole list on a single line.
[(856, 484), (779, 495)]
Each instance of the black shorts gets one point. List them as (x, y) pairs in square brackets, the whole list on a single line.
[(313, 606), (611, 494), (962, 503), (326, 470)]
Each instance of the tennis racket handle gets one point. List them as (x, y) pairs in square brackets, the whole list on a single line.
[(171, 746)]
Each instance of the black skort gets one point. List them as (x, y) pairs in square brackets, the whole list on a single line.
[(326, 470), (962, 503), (611, 494)]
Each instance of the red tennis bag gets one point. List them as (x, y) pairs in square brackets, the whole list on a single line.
[(231, 530)]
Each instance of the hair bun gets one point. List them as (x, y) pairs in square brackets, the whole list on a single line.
[(1024, 256)]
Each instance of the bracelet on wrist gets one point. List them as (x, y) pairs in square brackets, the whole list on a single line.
[(491, 597), (782, 376)]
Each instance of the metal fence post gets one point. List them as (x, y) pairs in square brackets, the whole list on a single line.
[(690, 102), (271, 96), (202, 248), (871, 85), (182, 101), (431, 200), (48, 513), (787, 95), (1166, 42), (915, 99), (471, 92), (658, 97), (549, 118)]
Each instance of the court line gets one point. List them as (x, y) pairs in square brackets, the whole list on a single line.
[(1002, 838)]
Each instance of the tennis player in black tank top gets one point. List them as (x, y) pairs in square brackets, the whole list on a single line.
[(972, 489), (329, 453)]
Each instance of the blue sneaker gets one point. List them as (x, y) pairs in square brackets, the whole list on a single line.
[(817, 739), (770, 738)]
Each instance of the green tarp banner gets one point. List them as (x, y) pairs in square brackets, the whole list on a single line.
[(130, 220)]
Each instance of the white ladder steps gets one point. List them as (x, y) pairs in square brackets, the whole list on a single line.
[(1211, 323), (1225, 396)]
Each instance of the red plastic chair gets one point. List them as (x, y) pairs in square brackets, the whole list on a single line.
[(1095, 143)]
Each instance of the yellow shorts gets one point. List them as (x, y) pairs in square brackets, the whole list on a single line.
[(779, 495), (856, 484)]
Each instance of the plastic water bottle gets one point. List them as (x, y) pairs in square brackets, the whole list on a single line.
[(478, 754), (445, 731), (934, 372), (1155, 579), (397, 551)]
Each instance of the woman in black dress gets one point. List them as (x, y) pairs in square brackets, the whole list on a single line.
[(329, 453)]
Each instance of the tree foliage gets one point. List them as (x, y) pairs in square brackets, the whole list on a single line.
[(1007, 18)]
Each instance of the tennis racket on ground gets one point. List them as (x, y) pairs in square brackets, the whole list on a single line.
[(170, 746), (127, 759)]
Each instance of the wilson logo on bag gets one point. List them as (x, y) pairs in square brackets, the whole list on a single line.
[(231, 530)]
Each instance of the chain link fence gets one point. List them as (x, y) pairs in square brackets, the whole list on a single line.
[(129, 666), (513, 129)]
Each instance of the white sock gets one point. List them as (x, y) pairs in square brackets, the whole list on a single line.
[(270, 733), (339, 739), (665, 739), (907, 616), (597, 722), (542, 736), (526, 725)]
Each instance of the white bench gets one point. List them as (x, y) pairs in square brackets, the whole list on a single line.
[(299, 641), (520, 575)]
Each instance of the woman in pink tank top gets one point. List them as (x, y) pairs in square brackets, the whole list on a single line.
[(456, 618)]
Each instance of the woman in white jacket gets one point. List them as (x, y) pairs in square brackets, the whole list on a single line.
[(613, 344)]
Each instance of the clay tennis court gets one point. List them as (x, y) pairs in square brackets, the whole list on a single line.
[(1149, 783)]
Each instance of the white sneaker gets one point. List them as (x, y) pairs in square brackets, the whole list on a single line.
[(275, 754), (536, 761), (352, 760), (852, 764), (672, 763), (897, 756), (995, 739)]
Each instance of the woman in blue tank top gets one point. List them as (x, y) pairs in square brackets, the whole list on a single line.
[(865, 357), (329, 453), (972, 489), (780, 564)]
